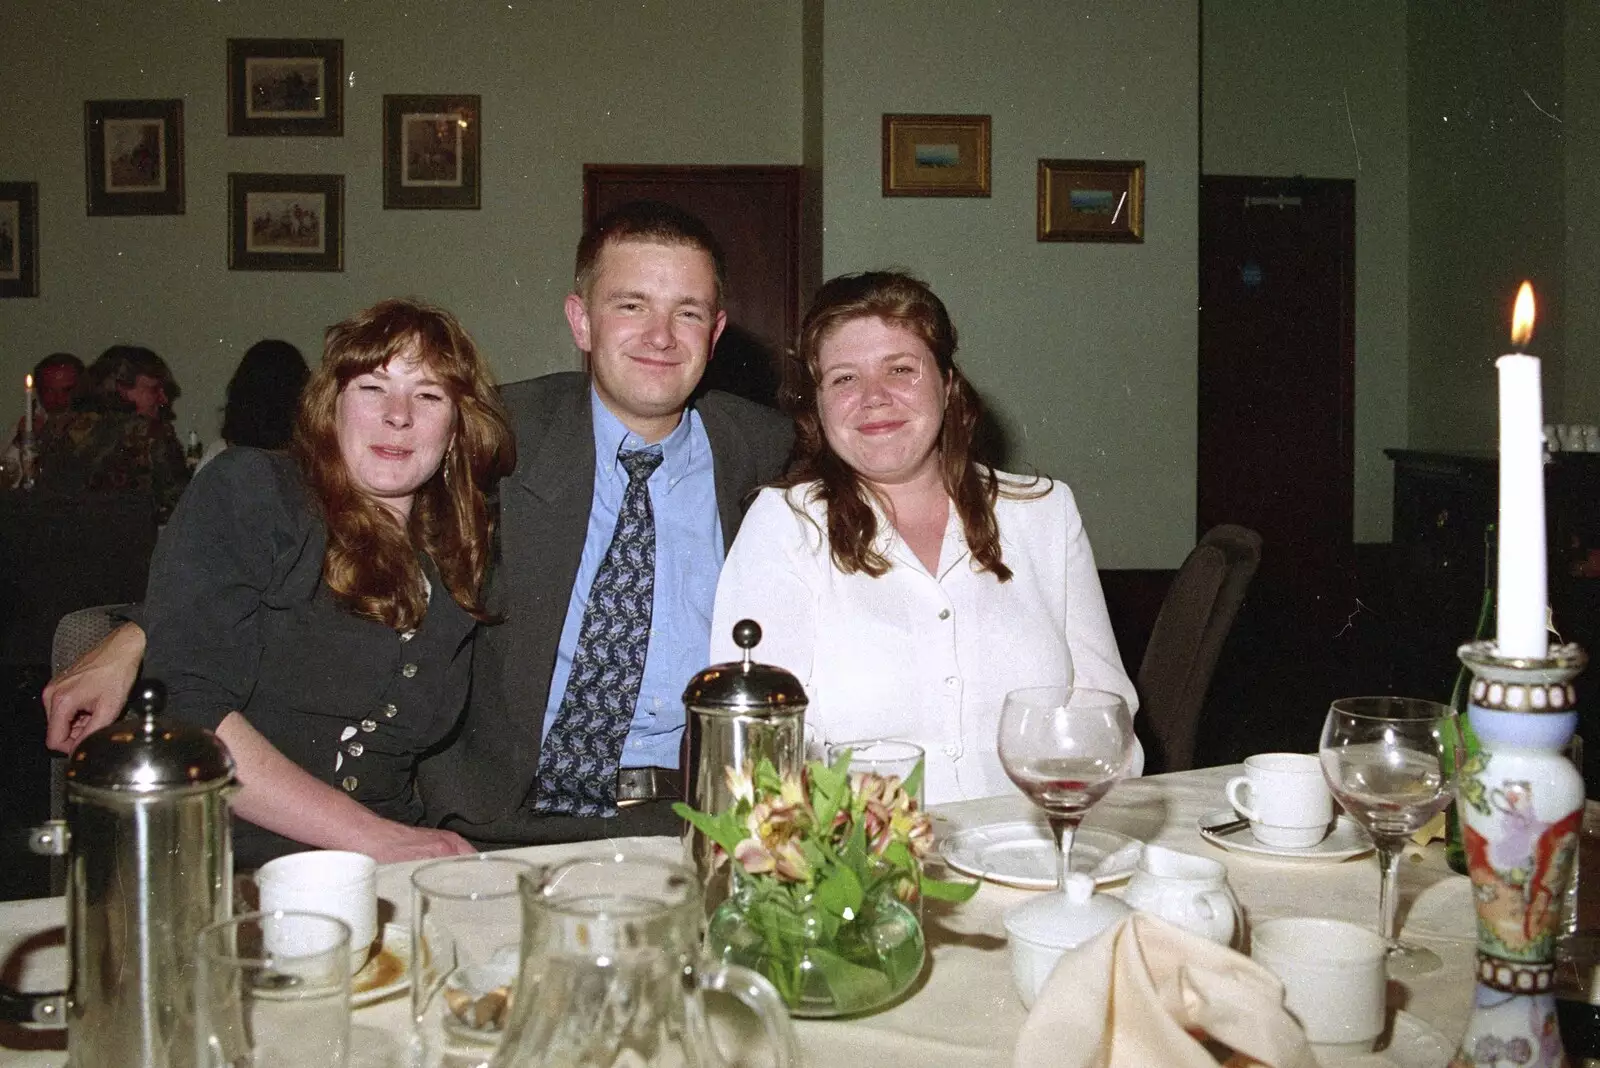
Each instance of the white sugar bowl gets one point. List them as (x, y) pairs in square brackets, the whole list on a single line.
[(1043, 929)]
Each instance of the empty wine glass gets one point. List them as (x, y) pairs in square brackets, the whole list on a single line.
[(1065, 748), (1383, 758)]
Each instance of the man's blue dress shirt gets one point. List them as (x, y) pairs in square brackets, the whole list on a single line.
[(689, 552)]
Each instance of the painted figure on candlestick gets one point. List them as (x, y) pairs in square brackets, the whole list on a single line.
[(1521, 798)]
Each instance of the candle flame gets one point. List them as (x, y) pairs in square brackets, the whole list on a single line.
[(27, 381), (1522, 316)]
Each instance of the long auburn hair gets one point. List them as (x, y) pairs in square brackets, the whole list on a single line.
[(902, 300), (371, 564)]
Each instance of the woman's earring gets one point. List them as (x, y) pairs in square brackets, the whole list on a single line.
[(449, 452)]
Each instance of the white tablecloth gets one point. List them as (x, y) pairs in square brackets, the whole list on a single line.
[(964, 1010)]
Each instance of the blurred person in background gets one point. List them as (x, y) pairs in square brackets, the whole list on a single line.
[(262, 396), (116, 438), (54, 379)]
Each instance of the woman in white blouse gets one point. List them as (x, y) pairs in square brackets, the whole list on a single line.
[(905, 585)]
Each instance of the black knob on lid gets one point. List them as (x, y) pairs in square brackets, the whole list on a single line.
[(747, 634), (149, 698)]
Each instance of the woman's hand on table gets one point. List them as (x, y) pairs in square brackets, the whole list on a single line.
[(92, 692), (392, 841)]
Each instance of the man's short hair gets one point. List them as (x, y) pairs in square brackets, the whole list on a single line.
[(649, 221)]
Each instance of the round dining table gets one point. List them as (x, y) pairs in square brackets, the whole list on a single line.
[(963, 1010)]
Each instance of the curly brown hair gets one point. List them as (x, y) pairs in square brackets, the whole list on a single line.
[(371, 564), (901, 299)]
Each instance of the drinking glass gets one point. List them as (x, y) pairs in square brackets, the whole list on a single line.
[(882, 756), (272, 990), (1065, 748), (466, 932), (1384, 759)]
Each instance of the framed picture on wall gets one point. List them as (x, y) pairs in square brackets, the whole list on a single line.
[(936, 155), (286, 222), (431, 151), (133, 156), (285, 87), (19, 239), (1091, 200)]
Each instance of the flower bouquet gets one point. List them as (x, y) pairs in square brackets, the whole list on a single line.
[(824, 866)]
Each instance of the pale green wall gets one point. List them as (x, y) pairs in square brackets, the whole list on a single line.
[(1581, 393), (1086, 352), (1487, 206), (1320, 90), (563, 84)]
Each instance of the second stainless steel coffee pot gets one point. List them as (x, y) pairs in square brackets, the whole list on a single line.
[(149, 863)]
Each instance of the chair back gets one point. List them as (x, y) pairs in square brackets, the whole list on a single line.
[(76, 634), (1194, 621)]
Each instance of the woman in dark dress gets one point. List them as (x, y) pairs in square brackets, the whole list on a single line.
[(317, 609)]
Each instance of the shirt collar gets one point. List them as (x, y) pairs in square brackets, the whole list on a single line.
[(611, 439), (888, 543)]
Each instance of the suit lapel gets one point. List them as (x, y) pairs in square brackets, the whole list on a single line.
[(732, 466), (546, 507)]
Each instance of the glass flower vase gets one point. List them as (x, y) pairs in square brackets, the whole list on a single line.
[(820, 963)]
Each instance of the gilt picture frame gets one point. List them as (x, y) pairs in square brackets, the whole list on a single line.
[(1091, 200), (432, 151), (286, 222), (133, 157), (936, 155), (285, 87)]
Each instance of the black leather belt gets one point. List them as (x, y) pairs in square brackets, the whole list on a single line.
[(649, 784)]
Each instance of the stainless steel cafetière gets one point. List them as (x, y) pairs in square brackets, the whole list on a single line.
[(737, 713), (149, 863)]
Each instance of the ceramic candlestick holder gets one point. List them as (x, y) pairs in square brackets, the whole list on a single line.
[(1521, 803)]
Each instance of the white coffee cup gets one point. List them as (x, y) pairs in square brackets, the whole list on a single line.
[(1289, 805), (1333, 979), (333, 882)]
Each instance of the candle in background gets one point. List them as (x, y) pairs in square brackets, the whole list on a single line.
[(1520, 608), (27, 410)]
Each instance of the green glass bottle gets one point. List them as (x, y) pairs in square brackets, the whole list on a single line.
[(1454, 845)]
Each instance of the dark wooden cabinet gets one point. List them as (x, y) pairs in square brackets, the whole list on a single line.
[(1442, 504)]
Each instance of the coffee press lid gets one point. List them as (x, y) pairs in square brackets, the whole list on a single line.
[(145, 752), (744, 685)]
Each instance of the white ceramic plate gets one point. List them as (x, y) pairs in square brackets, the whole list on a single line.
[(388, 971), (1412, 1044), (1347, 840), (1021, 853)]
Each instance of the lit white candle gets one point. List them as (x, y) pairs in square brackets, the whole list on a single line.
[(1520, 602), (27, 409)]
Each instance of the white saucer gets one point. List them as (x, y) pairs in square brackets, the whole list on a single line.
[(1021, 853), (388, 971), (1347, 840), (1411, 1044)]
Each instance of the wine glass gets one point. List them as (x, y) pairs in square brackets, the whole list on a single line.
[(1065, 748), (1384, 759)]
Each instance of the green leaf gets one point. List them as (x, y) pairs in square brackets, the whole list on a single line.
[(839, 893), (913, 783), (766, 779), (854, 988), (940, 890), (830, 789), (727, 830)]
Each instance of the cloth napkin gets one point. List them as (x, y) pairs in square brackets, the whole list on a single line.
[(1130, 997)]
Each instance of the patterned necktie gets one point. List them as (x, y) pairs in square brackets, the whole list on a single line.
[(578, 761)]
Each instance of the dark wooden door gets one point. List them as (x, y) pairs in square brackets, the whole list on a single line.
[(1275, 447), (756, 214), (1277, 372)]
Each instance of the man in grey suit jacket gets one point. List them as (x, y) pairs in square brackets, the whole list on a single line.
[(646, 310)]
